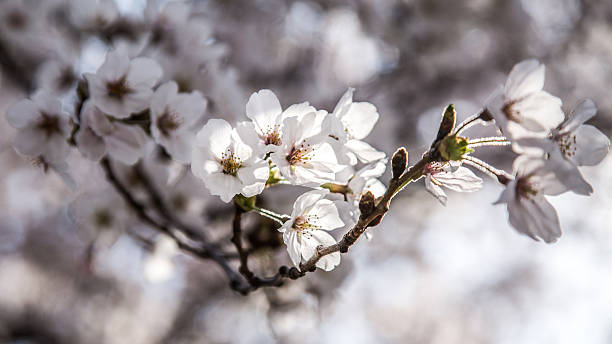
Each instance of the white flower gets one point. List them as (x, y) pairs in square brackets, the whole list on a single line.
[(225, 163), (366, 179), (460, 179), (89, 14), (354, 122), (98, 136), (571, 144), (173, 116), (56, 76), (266, 127), (529, 211), (362, 181), (122, 86), (312, 216), (43, 127), (305, 156), (523, 103), (100, 215), (158, 266), (59, 167)]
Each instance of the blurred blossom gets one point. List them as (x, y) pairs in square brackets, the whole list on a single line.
[(343, 41), (553, 19), (12, 234), (158, 266)]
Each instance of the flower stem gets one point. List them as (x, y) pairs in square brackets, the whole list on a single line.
[(412, 174), (489, 141), (279, 218), (482, 116), (497, 174)]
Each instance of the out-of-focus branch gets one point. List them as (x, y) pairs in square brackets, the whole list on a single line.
[(14, 70), (199, 247)]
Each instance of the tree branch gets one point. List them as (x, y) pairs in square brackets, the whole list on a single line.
[(255, 281), (204, 250), (414, 173)]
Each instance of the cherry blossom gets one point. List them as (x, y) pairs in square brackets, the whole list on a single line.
[(523, 102), (265, 131), (571, 144), (99, 136), (43, 127), (362, 181), (355, 121), (173, 117), (88, 14), (122, 86), (529, 211), (225, 163), (306, 156), (158, 266), (460, 179), (312, 217), (99, 216)]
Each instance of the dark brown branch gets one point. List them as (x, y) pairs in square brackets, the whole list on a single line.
[(255, 281), (414, 173), (14, 69)]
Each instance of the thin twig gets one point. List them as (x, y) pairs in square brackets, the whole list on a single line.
[(414, 173), (204, 250), (482, 116), (255, 281)]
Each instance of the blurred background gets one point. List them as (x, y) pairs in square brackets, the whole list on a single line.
[(429, 274)]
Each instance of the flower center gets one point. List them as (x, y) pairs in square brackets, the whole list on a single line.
[(299, 154), (272, 136), (526, 189), (179, 202), (118, 89), (511, 113), (168, 122), (102, 218), (66, 78), (433, 168), (230, 162), (49, 124), (16, 20), (304, 224), (567, 144)]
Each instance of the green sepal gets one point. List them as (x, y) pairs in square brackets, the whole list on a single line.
[(274, 176), (337, 188), (246, 203), (453, 147)]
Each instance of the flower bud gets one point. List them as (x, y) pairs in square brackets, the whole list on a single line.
[(398, 162), (336, 188), (366, 204), (447, 124)]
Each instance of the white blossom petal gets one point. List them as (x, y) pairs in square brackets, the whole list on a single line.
[(263, 108), (525, 77), (592, 146)]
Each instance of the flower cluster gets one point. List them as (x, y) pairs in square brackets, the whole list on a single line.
[(299, 146), (551, 146), (152, 93)]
